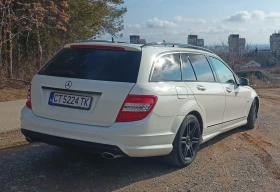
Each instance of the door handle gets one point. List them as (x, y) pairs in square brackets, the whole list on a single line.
[(201, 88), (228, 90)]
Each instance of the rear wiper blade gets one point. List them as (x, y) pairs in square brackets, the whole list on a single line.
[(64, 73)]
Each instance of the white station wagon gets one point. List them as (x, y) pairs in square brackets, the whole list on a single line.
[(119, 99)]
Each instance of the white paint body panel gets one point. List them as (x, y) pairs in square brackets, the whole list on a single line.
[(112, 95), (220, 111), (212, 101), (236, 102)]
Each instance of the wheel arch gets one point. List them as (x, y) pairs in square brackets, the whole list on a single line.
[(178, 123), (175, 157), (251, 97), (199, 118)]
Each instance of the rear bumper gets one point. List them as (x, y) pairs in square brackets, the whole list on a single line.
[(152, 136), (71, 143)]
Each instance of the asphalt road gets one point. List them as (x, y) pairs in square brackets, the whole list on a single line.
[(239, 160), (10, 115)]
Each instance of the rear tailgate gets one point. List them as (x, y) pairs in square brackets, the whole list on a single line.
[(104, 77)]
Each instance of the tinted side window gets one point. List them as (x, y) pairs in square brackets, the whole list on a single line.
[(167, 68), (202, 68), (187, 70), (223, 72)]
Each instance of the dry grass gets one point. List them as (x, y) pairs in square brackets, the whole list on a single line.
[(267, 86), (276, 71), (260, 84), (11, 90), (10, 94), (14, 84)]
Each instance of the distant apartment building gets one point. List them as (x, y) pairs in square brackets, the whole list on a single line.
[(236, 45), (134, 39), (242, 45), (233, 45), (200, 42), (142, 41), (275, 42), (193, 40)]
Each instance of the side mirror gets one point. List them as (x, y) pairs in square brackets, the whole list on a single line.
[(243, 81)]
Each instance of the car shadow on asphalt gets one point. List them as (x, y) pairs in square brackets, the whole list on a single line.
[(42, 166)]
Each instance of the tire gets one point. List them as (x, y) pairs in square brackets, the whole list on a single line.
[(186, 143), (252, 117)]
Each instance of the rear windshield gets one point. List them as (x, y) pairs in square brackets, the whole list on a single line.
[(94, 64)]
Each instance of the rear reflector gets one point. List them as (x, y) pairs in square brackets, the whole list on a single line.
[(136, 107), (28, 102), (97, 47)]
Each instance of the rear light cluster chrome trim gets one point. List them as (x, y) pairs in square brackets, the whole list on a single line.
[(28, 102), (136, 108)]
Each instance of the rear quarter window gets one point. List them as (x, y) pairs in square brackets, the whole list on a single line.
[(167, 68), (94, 64)]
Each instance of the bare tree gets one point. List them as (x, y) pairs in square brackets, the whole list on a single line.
[(228, 55)]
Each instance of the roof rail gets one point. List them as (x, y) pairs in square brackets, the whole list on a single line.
[(93, 40), (179, 45), (99, 41)]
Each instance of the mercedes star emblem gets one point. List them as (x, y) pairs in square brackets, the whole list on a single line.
[(68, 84)]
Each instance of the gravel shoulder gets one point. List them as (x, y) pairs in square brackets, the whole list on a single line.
[(11, 139), (10, 115), (239, 160), (10, 134)]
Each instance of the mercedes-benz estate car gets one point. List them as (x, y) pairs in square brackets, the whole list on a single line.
[(120, 99)]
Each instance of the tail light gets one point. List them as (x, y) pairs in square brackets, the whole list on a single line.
[(28, 102), (136, 107)]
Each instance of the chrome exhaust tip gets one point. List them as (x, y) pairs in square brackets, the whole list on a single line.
[(28, 139), (107, 155)]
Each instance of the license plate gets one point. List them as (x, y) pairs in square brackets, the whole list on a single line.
[(71, 101)]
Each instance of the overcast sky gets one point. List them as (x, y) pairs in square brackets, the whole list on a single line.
[(213, 20)]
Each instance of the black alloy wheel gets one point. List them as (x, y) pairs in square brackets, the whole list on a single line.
[(253, 115), (190, 140), (186, 143), (255, 112)]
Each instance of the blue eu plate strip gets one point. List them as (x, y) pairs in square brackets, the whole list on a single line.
[(51, 98)]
